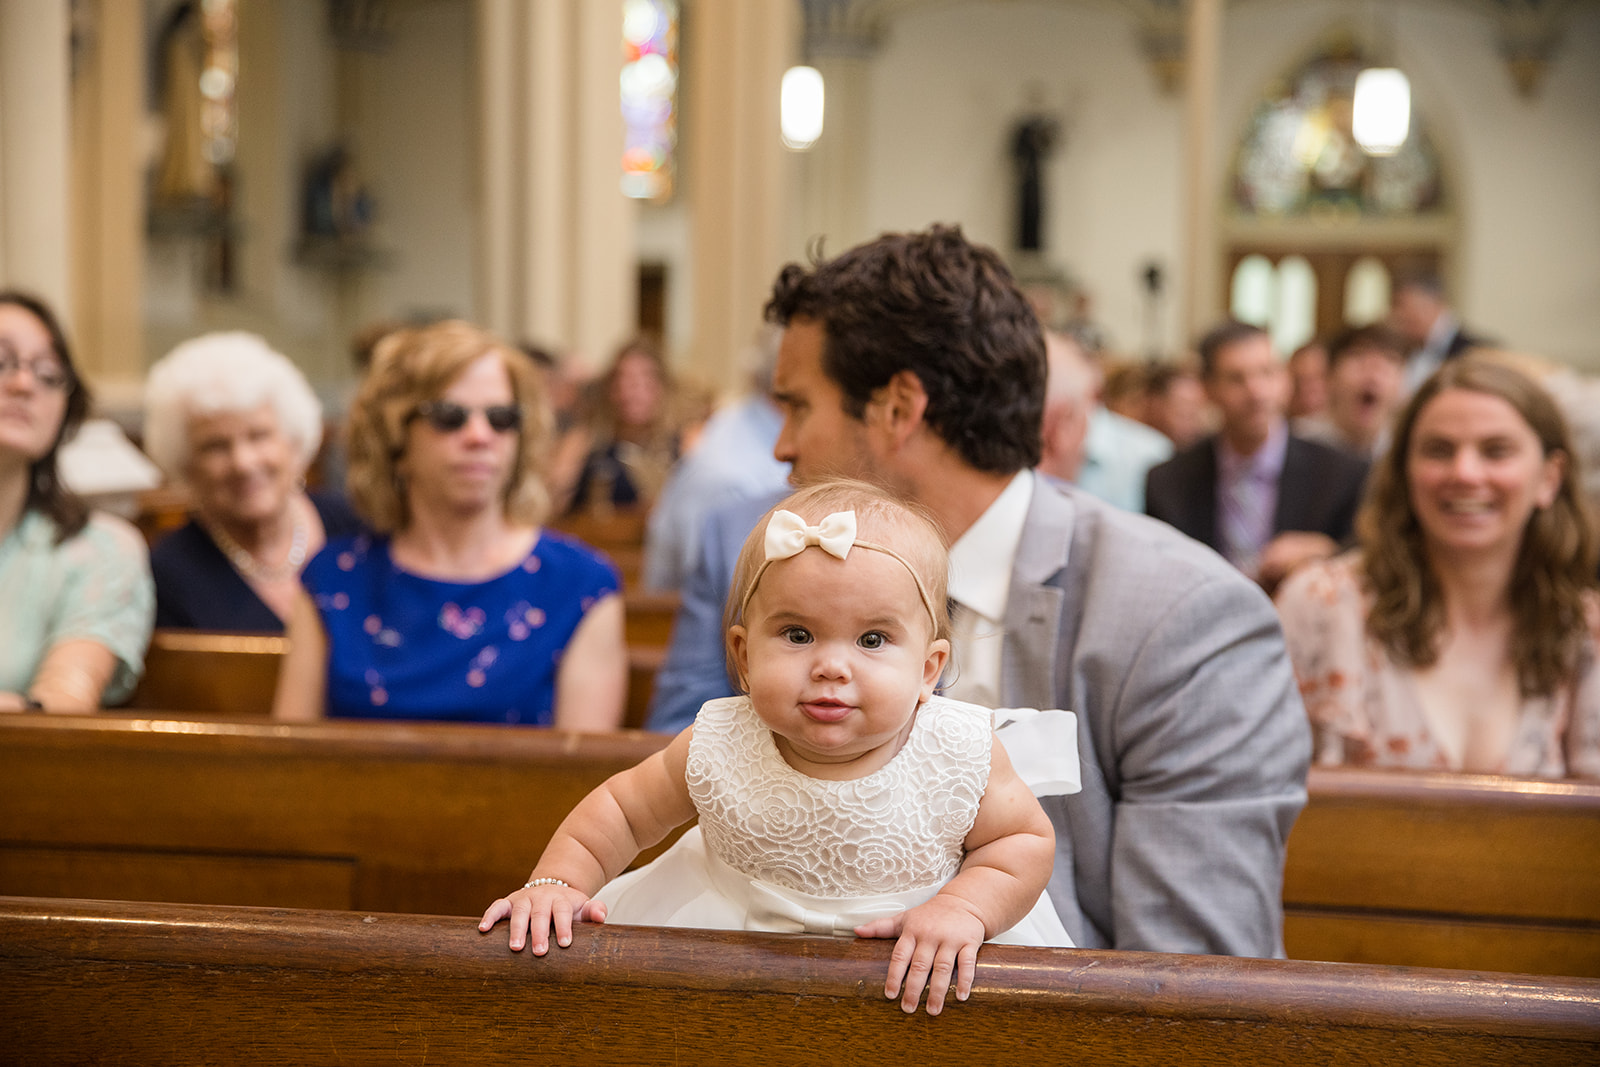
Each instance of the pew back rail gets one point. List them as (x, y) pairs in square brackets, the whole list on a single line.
[(174, 984)]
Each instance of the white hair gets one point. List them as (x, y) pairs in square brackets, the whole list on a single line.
[(219, 373)]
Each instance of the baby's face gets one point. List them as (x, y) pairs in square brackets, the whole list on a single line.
[(837, 654)]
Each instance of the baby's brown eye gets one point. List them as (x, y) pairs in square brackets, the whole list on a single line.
[(796, 635), (872, 640)]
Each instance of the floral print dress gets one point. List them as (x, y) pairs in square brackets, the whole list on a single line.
[(1364, 706)]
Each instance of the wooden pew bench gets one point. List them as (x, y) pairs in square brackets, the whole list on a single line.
[(424, 817), (162, 983), (219, 673), (1446, 870), (1427, 870)]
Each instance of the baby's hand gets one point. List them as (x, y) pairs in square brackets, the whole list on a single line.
[(534, 909), (937, 938)]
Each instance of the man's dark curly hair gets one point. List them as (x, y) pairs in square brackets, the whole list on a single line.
[(948, 311)]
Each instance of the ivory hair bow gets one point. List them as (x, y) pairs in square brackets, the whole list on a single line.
[(788, 535)]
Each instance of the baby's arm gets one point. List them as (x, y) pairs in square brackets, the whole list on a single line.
[(1010, 851), (628, 813)]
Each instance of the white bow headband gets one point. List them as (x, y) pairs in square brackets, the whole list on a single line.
[(788, 535)]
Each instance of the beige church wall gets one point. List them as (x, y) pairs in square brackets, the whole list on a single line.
[(946, 87), (407, 114), (286, 110), (417, 150), (1521, 173), (1529, 270), (948, 82)]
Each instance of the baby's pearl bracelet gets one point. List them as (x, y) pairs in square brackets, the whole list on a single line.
[(546, 881)]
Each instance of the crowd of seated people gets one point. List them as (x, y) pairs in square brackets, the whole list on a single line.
[(430, 594)]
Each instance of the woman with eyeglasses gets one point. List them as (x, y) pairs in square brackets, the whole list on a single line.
[(238, 424), (459, 606), (75, 594)]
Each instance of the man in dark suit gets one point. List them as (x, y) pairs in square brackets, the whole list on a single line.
[(1420, 314), (1264, 498)]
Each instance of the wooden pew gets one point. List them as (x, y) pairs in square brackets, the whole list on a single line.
[(385, 817), (214, 673), (210, 673), (1426, 870), (1446, 870), (161, 983)]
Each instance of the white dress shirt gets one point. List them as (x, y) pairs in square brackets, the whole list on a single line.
[(981, 562)]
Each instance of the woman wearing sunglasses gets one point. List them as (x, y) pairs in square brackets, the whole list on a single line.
[(238, 424), (460, 606), (75, 594)]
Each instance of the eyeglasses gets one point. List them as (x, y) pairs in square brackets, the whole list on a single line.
[(447, 416), (46, 370)]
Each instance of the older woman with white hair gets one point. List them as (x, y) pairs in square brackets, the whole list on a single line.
[(237, 423)]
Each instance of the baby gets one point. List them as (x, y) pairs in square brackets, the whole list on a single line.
[(841, 795)]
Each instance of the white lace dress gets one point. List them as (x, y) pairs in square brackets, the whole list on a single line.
[(777, 850)]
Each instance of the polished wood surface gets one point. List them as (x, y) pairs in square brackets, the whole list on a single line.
[(1428, 870), (423, 817), (1446, 870), (215, 673), (212, 673), (105, 982)]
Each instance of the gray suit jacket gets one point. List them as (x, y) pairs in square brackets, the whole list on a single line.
[(1192, 737), (1193, 741)]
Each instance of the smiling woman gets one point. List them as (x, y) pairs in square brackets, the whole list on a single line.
[(1464, 634), (238, 424), (458, 605), (74, 586)]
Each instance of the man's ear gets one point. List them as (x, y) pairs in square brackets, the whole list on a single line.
[(904, 403)]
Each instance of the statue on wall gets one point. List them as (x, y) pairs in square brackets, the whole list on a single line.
[(1033, 138)]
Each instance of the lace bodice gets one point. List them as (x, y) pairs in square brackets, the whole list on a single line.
[(899, 828)]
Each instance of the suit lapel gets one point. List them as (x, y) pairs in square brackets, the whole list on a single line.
[(1294, 486), (1034, 609)]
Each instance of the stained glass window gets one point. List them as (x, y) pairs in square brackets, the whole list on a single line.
[(649, 97), (1299, 156)]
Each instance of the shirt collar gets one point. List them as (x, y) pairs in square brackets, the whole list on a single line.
[(982, 559), (1440, 333), (1264, 464)]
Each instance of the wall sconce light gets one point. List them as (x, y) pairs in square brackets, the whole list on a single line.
[(1381, 113), (800, 107)]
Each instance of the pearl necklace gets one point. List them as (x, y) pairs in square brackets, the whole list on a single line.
[(247, 564)]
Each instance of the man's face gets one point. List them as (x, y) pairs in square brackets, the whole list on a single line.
[(818, 437), (1412, 313), (1250, 388), (1364, 391)]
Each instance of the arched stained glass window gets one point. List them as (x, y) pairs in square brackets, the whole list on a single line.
[(1299, 156), (649, 97), (1366, 292)]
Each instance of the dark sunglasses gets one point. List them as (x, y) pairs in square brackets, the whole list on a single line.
[(447, 416)]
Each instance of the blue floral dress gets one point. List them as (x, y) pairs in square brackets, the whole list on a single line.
[(401, 646)]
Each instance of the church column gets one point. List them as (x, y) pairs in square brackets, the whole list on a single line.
[(557, 259), (35, 150), (108, 202), (734, 170), (1200, 184)]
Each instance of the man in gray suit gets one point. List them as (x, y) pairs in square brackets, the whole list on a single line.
[(913, 361)]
